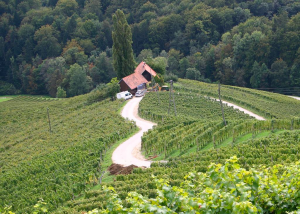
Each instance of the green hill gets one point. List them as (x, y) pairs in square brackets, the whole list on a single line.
[(58, 165), (196, 138)]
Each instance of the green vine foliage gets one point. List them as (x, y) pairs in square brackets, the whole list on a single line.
[(199, 125), (165, 140), (189, 106), (224, 188), (58, 165), (262, 153), (266, 104)]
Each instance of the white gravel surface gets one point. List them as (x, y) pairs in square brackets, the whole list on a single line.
[(244, 110), (129, 152), (297, 98), (241, 109)]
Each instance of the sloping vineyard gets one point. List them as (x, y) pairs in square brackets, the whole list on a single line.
[(189, 106), (275, 149), (200, 135), (226, 188), (55, 166), (269, 105)]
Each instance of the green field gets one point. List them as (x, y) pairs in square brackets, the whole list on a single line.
[(9, 97), (2, 99), (58, 165)]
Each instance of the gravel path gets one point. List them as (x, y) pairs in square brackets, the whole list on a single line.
[(297, 98), (244, 110), (129, 152), (241, 109)]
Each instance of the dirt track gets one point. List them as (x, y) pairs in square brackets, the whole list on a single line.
[(241, 109), (244, 110), (297, 98), (128, 153)]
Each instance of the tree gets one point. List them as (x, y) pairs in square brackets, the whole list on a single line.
[(123, 60), (61, 93), (173, 61), (47, 42), (158, 64), (78, 80), (295, 75), (93, 6), (279, 74), (103, 70), (49, 75), (183, 66), (145, 54), (193, 73), (74, 55), (264, 82), (67, 7), (256, 77), (113, 88)]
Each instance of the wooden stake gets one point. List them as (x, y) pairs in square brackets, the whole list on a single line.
[(221, 104), (49, 120)]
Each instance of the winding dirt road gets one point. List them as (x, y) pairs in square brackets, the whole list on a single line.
[(129, 152)]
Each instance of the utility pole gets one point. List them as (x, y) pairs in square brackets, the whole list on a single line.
[(171, 89), (221, 104), (173, 98), (49, 120)]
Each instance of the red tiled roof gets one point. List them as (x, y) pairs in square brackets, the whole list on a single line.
[(133, 80), (142, 67)]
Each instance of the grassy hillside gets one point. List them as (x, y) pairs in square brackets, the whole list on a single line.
[(198, 137), (54, 166)]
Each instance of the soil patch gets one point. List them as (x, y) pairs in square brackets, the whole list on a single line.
[(117, 169)]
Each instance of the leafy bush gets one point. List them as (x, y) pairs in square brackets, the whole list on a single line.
[(61, 93), (104, 91)]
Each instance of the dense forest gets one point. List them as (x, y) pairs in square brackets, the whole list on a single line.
[(64, 47)]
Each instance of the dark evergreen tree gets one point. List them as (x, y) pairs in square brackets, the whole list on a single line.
[(123, 60)]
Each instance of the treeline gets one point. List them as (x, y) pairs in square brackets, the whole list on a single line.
[(68, 43)]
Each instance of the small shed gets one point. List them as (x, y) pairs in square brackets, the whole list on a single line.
[(142, 75)]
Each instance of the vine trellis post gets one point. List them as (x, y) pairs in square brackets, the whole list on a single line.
[(219, 90), (49, 120), (171, 90)]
